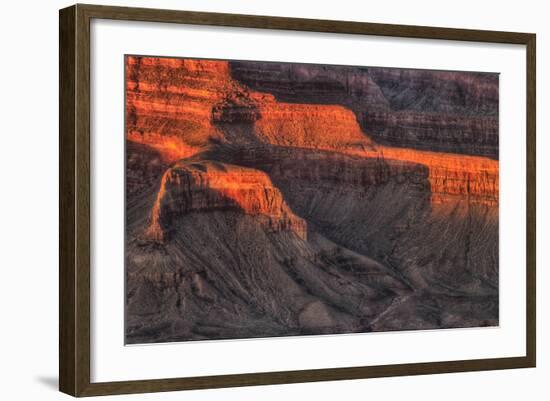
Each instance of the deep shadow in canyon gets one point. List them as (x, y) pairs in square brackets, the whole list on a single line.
[(271, 199)]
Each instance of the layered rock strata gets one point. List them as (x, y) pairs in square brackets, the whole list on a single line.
[(169, 104), (356, 172), (268, 208), (385, 209), (183, 107), (178, 106), (470, 135), (205, 186), (452, 177), (429, 110), (443, 92)]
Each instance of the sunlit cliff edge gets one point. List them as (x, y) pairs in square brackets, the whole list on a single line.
[(209, 185), (180, 107)]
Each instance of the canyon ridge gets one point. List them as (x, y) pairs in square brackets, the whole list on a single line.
[(275, 199)]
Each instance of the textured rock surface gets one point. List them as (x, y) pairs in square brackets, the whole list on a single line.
[(311, 83), (453, 177), (385, 209), (169, 103), (352, 171), (231, 278), (183, 107), (144, 166), (205, 186), (178, 106), (431, 110), (432, 131), (443, 92), (259, 202)]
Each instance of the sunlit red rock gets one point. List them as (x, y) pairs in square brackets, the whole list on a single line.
[(169, 103), (184, 107), (207, 186), (313, 167), (252, 214), (452, 176), (309, 126), (447, 111)]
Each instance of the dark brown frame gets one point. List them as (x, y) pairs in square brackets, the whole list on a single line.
[(74, 199)]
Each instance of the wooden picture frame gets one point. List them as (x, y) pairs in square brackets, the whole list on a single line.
[(74, 204)]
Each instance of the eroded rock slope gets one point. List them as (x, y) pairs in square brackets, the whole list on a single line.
[(258, 203)]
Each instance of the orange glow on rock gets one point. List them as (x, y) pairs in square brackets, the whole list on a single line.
[(451, 176), (180, 107), (208, 186)]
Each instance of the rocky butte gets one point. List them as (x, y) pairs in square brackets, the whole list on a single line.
[(190, 187)]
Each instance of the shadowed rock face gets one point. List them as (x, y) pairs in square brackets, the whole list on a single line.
[(259, 204), (384, 209), (442, 92), (431, 131), (144, 166), (429, 110)]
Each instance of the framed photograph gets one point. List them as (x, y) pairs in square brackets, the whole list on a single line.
[(250, 200)]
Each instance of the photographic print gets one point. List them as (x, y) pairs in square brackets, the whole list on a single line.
[(268, 199)]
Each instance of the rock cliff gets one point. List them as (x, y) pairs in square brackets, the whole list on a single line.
[(269, 199), (442, 92), (180, 107), (470, 135), (326, 127), (321, 166), (169, 103), (452, 177), (386, 209), (184, 107), (429, 110), (206, 186)]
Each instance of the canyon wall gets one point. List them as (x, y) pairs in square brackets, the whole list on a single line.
[(442, 92), (169, 104), (270, 199), (381, 207), (178, 107), (183, 107), (429, 110), (452, 177), (356, 172)]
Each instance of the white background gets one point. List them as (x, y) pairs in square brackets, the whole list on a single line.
[(113, 362), (28, 166)]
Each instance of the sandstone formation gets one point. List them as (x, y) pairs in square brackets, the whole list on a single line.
[(182, 107), (272, 199), (385, 209), (320, 166), (432, 131), (429, 110), (169, 104), (206, 186), (453, 177)]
